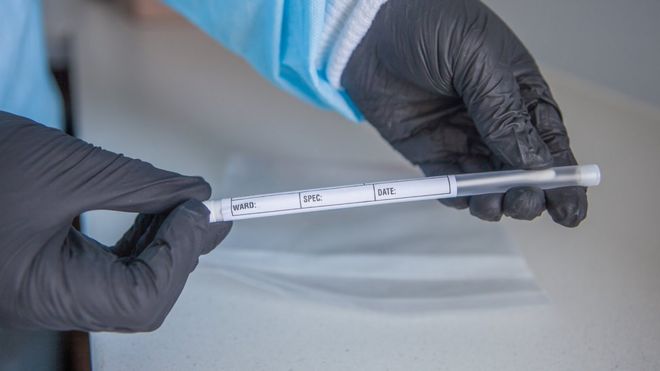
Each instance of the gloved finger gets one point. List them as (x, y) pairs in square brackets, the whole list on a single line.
[(544, 112), (436, 143), (486, 207), (83, 286), (182, 238), (459, 203), (446, 168), (525, 203), (125, 246), (217, 233), (144, 229), (567, 206), (492, 97), (139, 236)]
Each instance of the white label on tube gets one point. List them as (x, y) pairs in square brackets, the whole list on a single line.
[(264, 204), (337, 196), (439, 187), (340, 197)]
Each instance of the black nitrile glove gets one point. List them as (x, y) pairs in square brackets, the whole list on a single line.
[(54, 277), (450, 86)]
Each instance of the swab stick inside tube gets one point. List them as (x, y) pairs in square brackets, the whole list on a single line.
[(367, 194)]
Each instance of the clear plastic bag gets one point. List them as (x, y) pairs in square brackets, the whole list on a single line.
[(417, 256)]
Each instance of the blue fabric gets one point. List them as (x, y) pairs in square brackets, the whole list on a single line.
[(26, 85), (279, 38)]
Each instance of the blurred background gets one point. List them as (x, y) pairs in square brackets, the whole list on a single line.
[(608, 42), (122, 62)]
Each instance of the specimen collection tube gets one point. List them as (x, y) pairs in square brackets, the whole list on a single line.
[(366, 194)]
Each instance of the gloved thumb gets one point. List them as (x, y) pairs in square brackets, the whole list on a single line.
[(79, 176)]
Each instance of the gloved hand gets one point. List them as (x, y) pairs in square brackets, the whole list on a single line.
[(450, 86), (54, 277)]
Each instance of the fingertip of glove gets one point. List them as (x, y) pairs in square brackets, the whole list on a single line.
[(487, 207), (189, 224), (214, 233), (567, 206), (459, 203), (568, 215), (220, 231), (524, 203)]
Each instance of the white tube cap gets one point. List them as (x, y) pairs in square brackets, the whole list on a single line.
[(589, 175)]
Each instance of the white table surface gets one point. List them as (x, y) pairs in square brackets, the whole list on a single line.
[(169, 95)]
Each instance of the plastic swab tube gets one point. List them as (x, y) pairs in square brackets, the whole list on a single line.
[(430, 188)]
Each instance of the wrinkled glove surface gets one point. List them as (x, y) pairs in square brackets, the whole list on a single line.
[(54, 277), (450, 86)]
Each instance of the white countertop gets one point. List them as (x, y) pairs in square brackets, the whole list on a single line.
[(169, 95)]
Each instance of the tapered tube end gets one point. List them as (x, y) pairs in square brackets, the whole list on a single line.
[(589, 175)]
